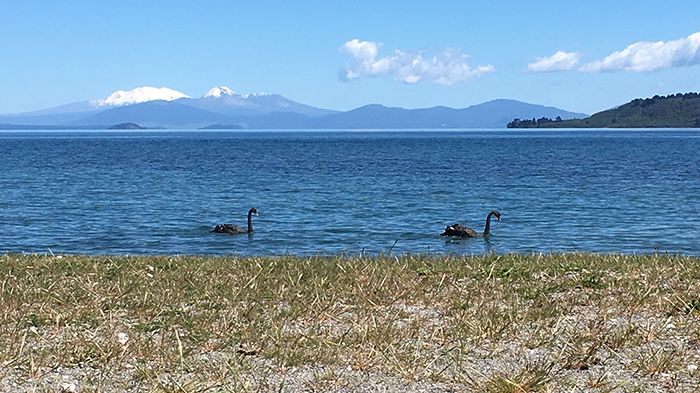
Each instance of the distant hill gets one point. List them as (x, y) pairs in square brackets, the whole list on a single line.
[(492, 114), (222, 127), (672, 111), (154, 114), (182, 114), (126, 126)]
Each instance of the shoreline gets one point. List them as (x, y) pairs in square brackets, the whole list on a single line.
[(537, 322)]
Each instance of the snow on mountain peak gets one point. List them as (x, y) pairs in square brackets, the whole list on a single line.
[(140, 94), (219, 91)]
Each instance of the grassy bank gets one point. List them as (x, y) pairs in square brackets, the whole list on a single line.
[(511, 323)]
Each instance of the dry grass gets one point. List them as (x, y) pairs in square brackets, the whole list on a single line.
[(510, 323)]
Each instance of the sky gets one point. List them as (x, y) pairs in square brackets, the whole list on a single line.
[(583, 56)]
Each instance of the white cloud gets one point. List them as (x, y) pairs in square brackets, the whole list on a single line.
[(650, 56), (446, 67), (560, 61)]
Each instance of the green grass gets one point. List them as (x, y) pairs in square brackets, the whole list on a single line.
[(508, 323)]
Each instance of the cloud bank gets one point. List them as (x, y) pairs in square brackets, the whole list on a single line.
[(560, 61), (650, 56), (446, 67), (638, 57)]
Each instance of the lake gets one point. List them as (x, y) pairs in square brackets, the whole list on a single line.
[(160, 192)]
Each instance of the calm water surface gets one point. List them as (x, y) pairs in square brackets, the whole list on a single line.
[(160, 192)]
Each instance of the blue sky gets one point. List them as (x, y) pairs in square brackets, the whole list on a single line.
[(342, 55)]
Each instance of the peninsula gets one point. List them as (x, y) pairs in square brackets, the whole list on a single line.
[(672, 111)]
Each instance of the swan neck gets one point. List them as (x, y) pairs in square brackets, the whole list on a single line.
[(250, 222), (487, 228)]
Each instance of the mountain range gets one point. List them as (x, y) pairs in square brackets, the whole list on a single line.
[(167, 108)]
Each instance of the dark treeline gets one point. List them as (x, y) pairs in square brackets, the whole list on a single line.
[(674, 110), (534, 123)]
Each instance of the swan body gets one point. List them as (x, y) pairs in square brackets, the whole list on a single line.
[(228, 228), (234, 229), (460, 231), (463, 231)]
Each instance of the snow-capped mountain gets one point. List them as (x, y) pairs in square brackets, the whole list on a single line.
[(72, 112), (218, 92), (225, 92), (139, 95), (223, 100)]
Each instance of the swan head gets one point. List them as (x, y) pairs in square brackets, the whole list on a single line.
[(496, 214), (253, 211)]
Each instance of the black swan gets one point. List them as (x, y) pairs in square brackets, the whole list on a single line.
[(236, 229), (462, 231)]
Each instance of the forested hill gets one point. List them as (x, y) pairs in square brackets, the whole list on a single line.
[(672, 111)]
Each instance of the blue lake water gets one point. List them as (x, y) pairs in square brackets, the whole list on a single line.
[(160, 192)]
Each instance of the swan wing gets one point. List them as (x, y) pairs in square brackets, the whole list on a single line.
[(459, 230), (228, 228)]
